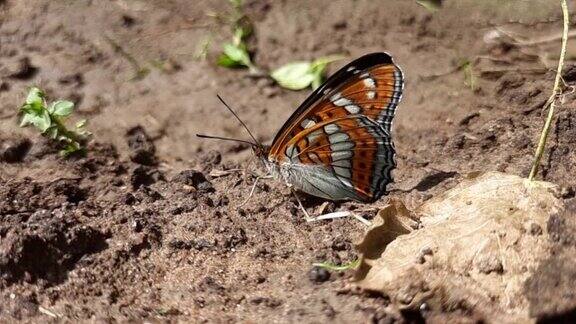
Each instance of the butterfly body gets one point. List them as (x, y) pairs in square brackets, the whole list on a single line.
[(337, 145)]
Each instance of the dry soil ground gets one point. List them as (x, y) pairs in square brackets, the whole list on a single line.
[(139, 229)]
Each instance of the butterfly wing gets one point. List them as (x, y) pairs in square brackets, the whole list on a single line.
[(337, 144)]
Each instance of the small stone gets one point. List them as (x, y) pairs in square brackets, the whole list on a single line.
[(535, 229), (144, 176), (318, 275), (194, 178), (202, 244), (141, 146), (128, 21), (178, 244), (339, 244), (488, 264), (129, 199)]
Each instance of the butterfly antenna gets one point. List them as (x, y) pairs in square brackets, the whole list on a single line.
[(227, 139), (240, 120)]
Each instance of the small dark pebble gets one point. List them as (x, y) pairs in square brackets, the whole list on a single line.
[(223, 201), (339, 245), (129, 199), (535, 229), (127, 21), (207, 201), (340, 25), (195, 179), (178, 244), (142, 149), (202, 244), (184, 207), (136, 225), (318, 275), (144, 176)]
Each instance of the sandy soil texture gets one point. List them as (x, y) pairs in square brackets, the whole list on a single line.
[(148, 226)]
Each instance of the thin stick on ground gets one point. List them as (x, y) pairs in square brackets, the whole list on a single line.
[(552, 101), (539, 41)]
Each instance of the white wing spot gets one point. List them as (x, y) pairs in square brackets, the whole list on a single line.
[(342, 163), (341, 146), (342, 172), (353, 109), (370, 83), (314, 135), (291, 152), (341, 155), (342, 102), (331, 128), (307, 123), (371, 95), (338, 137), (336, 96)]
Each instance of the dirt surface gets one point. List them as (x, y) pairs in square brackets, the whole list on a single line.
[(147, 225)]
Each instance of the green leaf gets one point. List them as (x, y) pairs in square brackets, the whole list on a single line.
[(52, 132), (294, 76), (238, 54), (40, 120), (44, 122), (334, 267), (35, 97), (225, 61), (319, 66), (317, 82), (320, 63), (71, 148), (240, 34), (62, 108), (431, 5), (26, 119)]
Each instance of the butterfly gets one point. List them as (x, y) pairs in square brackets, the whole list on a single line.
[(338, 145)]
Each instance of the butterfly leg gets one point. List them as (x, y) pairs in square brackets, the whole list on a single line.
[(306, 215), (341, 214), (254, 188)]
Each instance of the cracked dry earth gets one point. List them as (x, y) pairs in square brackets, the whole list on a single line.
[(149, 224)]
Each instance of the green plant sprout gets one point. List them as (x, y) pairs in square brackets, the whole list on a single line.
[(235, 53), (431, 5), (556, 93), (49, 120), (469, 76), (334, 267), (300, 75)]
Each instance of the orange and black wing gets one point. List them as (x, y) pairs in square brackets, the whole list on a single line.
[(345, 126)]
